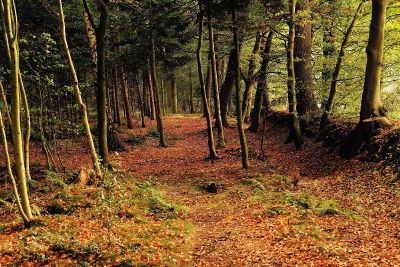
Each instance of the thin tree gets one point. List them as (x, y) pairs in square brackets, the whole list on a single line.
[(10, 24), (206, 108), (158, 110), (218, 119), (335, 75), (262, 87), (242, 136), (101, 83), (295, 132), (78, 95)]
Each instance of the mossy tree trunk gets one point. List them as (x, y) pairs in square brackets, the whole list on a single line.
[(11, 32), (371, 105), (160, 125), (307, 104), (174, 94), (262, 86), (295, 132), (78, 95), (242, 136), (101, 82), (226, 88), (335, 75), (250, 78), (217, 109), (206, 108)]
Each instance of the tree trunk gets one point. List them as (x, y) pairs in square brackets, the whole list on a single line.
[(226, 88), (295, 132), (11, 31), (117, 117), (217, 109), (250, 75), (191, 96), (371, 105), (303, 65), (211, 147), (160, 125), (151, 95), (262, 87), (174, 94), (124, 85), (335, 75), (141, 102), (242, 136), (78, 95)]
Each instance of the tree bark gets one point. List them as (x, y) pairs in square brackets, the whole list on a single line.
[(371, 105), (158, 110), (242, 136), (262, 86), (307, 103), (78, 95), (218, 120), (211, 147), (174, 94), (226, 88), (335, 75), (295, 132), (249, 80), (11, 30)]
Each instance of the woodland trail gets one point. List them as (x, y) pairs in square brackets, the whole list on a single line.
[(281, 211)]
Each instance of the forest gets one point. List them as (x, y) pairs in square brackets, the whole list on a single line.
[(200, 133)]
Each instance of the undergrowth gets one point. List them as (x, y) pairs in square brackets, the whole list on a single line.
[(119, 221)]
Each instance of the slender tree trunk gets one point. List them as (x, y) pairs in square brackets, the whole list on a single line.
[(174, 94), (117, 116), (295, 126), (211, 147), (250, 76), (24, 216), (151, 95), (226, 88), (141, 102), (11, 29), (262, 87), (163, 97), (208, 84), (242, 136), (125, 94), (78, 95), (191, 100), (336, 72), (160, 124), (218, 120), (307, 103)]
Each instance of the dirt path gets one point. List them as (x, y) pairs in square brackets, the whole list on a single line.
[(235, 228)]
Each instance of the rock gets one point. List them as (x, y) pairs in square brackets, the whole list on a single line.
[(211, 188)]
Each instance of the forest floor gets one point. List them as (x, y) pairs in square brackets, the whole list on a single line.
[(295, 208)]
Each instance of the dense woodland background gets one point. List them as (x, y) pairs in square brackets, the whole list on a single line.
[(87, 79)]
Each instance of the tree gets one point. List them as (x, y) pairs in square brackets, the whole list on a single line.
[(295, 132), (242, 136), (372, 110), (218, 119), (307, 103), (206, 108), (10, 25), (262, 89), (335, 75), (101, 83), (78, 95)]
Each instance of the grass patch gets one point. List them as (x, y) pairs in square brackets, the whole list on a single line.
[(127, 220)]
